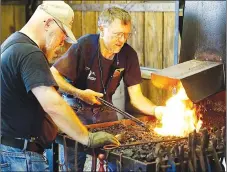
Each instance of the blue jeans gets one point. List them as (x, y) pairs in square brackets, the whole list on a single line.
[(14, 159)]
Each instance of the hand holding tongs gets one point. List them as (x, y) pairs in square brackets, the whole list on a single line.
[(125, 114)]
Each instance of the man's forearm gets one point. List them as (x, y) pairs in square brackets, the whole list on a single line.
[(144, 105), (139, 101), (61, 113), (87, 95), (64, 85), (69, 124)]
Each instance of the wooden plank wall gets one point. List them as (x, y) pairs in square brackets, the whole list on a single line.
[(153, 32), (12, 19), (137, 40)]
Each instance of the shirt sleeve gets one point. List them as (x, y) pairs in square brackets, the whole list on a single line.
[(132, 74), (35, 71), (68, 64)]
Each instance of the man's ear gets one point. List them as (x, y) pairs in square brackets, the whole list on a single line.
[(100, 28), (47, 23)]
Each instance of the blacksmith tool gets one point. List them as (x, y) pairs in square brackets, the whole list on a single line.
[(171, 157), (212, 148), (125, 114), (201, 151), (111, 146), (192, 164), (181, 157), (159, 152)]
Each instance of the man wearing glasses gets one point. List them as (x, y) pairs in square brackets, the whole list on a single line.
[(94, 67), (31, 108)]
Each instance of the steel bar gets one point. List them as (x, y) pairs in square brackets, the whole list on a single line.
[(108, 147), (125, 114)]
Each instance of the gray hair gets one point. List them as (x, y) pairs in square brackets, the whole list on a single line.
[(109, 14)]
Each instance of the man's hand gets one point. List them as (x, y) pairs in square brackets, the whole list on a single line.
[(89, 96), (99, 139), (159, 111)]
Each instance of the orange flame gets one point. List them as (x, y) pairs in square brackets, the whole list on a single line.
[(179, 117)]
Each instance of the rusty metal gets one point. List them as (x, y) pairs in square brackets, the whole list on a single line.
[(203, 150), (65, 163), (191, 152), (171, 157), (159, 153), (76, 156)]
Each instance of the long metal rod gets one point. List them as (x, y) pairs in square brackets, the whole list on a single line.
[(156, 141), (176, 33), (125, 114), (110, 147)]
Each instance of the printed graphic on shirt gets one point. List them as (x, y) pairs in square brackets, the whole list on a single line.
[(91, 76), (117, 72)]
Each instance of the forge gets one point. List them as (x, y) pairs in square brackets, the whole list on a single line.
[(143, 150)]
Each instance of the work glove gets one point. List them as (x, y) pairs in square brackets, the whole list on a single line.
[(89, 96), (159, 111), (101, 138)]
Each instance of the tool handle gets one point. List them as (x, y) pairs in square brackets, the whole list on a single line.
[(125, 114)]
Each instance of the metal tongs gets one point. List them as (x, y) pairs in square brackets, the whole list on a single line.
[(125, 114)]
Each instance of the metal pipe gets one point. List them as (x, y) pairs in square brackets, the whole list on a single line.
[(176, 32)]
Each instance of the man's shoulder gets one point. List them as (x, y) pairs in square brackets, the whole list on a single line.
[(88, 39), (128, 49), (20, 43), (26, 50)]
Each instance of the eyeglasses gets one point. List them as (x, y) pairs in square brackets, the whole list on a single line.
[(119, 35), (61, 28)]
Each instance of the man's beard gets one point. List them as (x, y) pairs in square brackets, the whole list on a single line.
[(49, 50), (49, 54)]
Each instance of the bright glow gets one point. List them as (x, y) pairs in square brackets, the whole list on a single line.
[(179, 117)]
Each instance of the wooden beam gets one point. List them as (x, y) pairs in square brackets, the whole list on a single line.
[(14, 2), (132, 7)]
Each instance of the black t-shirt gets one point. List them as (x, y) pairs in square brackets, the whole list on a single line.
[(75, 61), (24, 67)]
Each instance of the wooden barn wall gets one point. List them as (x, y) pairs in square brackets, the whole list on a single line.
[(12, 19)]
